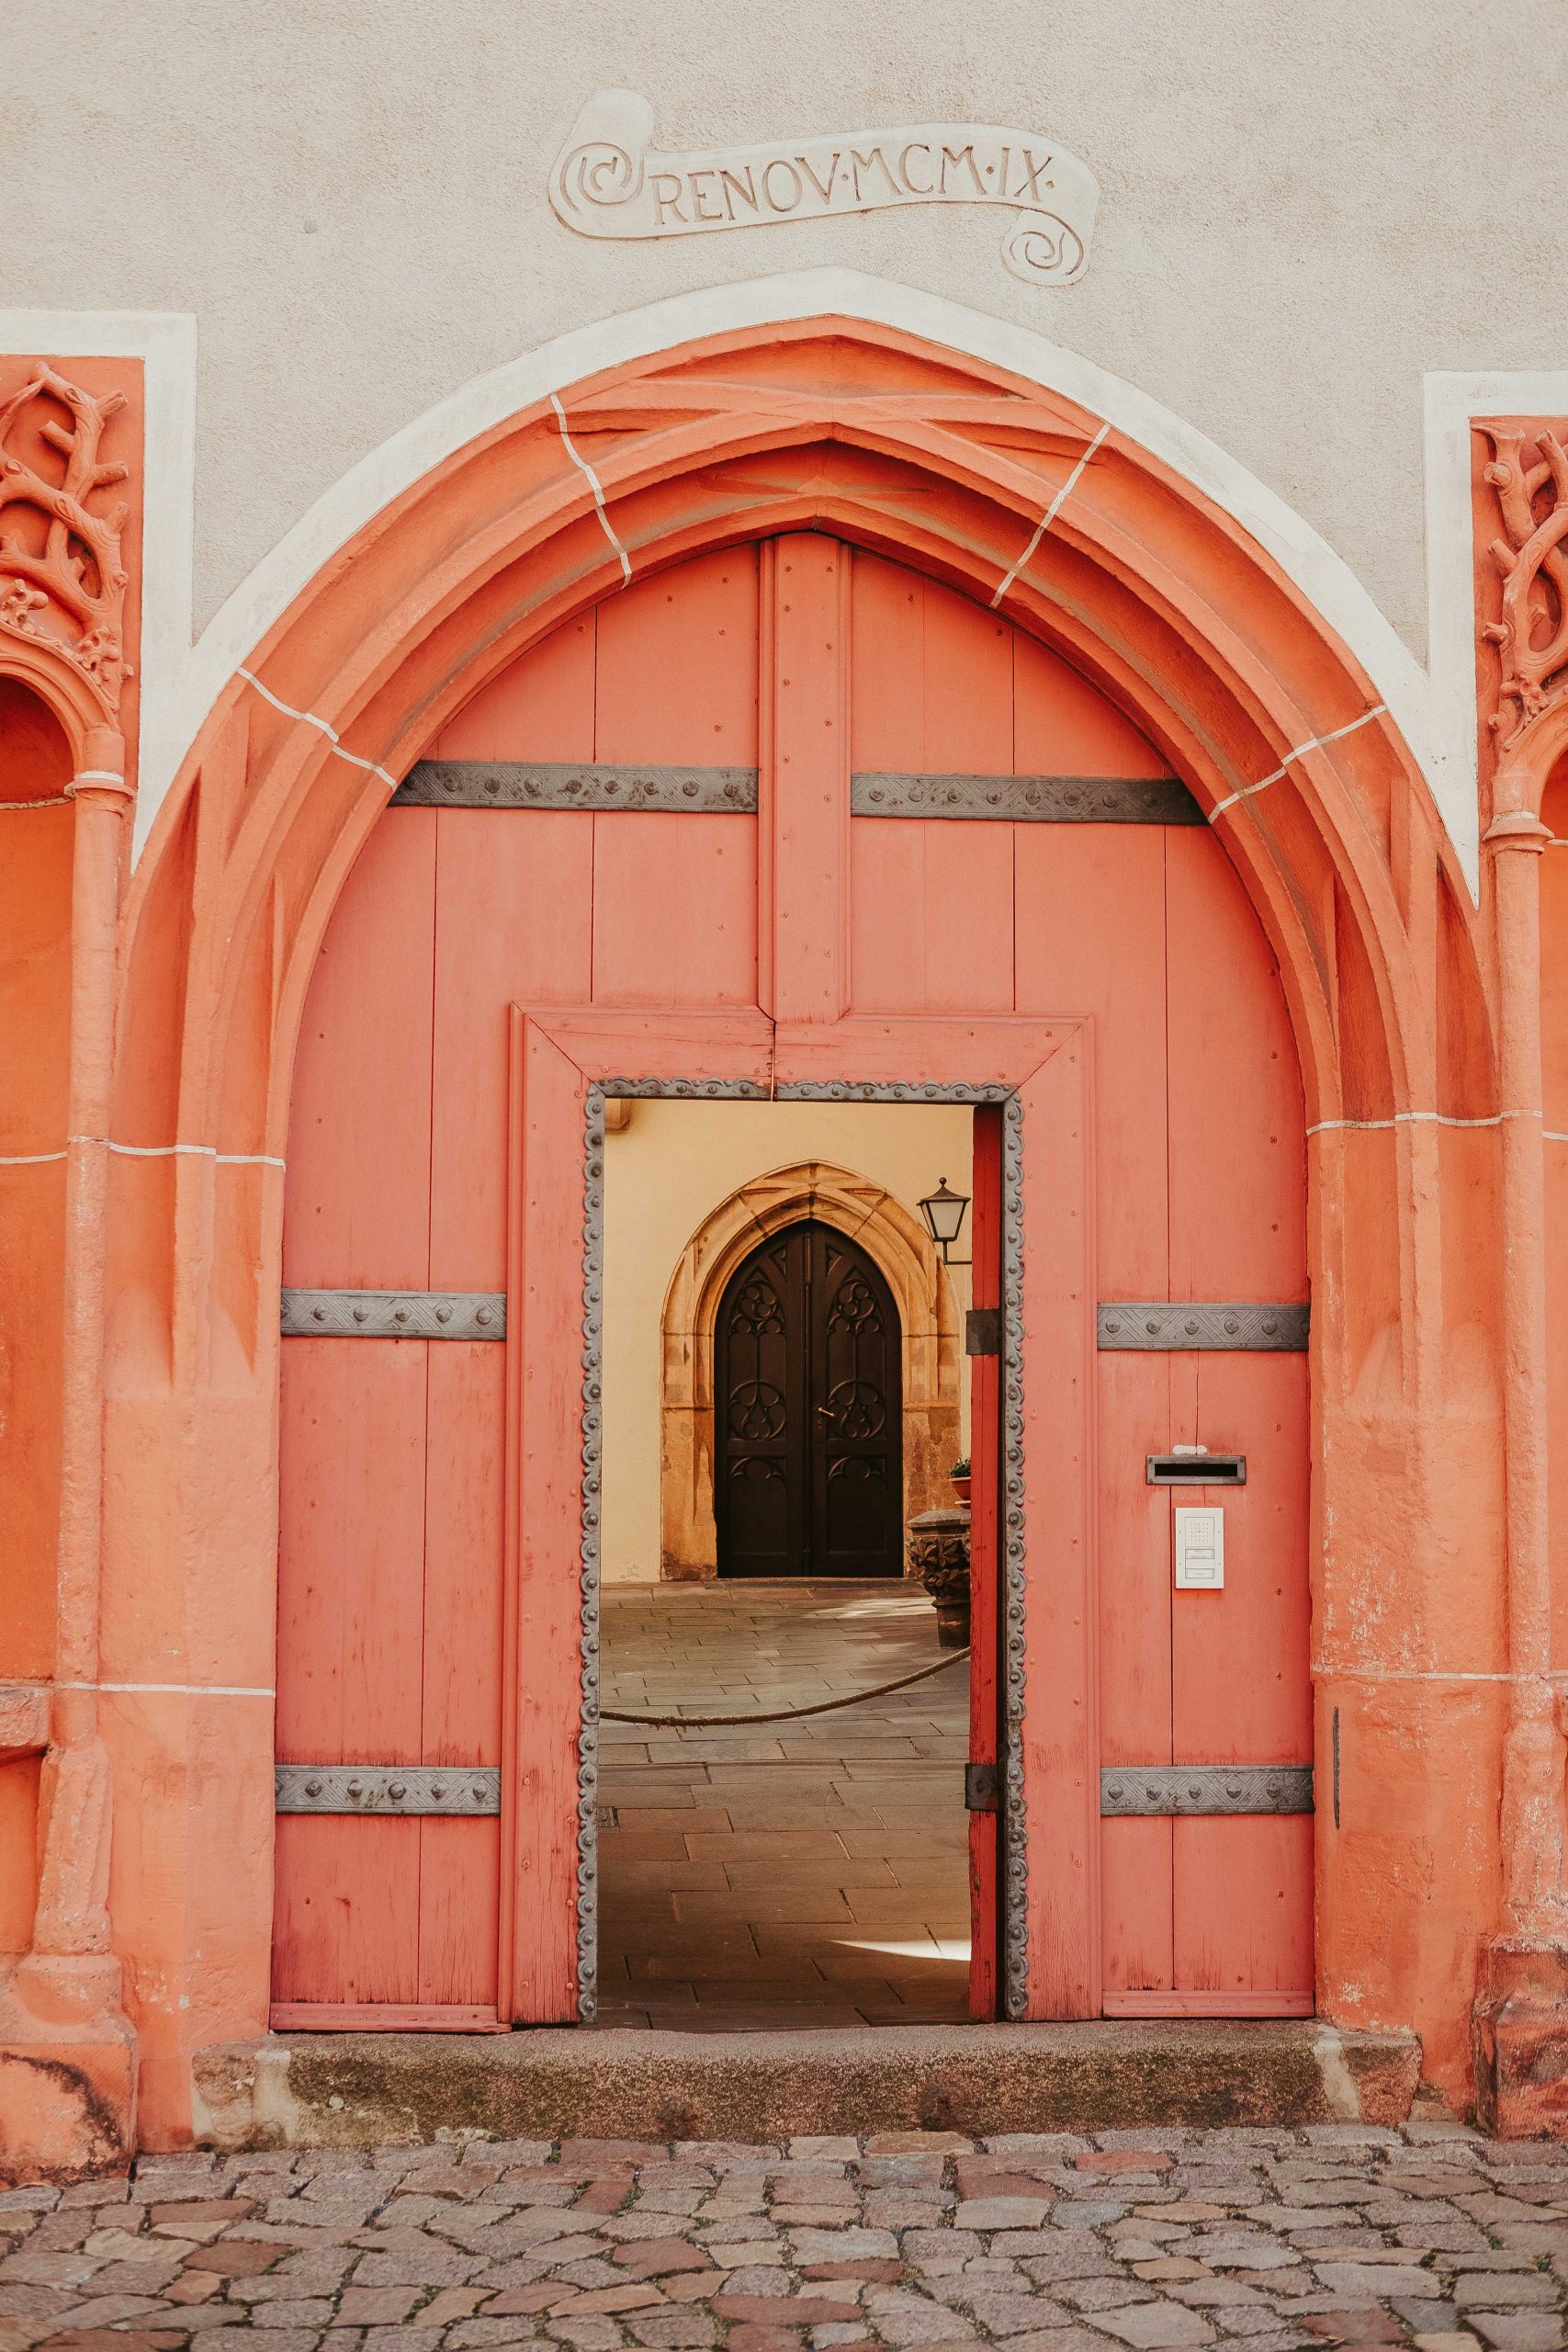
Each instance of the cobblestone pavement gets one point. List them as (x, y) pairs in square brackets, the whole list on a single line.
[(1337, 2235)]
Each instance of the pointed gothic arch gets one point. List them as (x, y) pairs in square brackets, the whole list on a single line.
[(1020, 497)]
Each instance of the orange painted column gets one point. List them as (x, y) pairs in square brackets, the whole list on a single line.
[(1522, 2009), (67, 1992)]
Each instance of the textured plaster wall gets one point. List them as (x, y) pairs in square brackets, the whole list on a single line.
[(1303, 207), (663, 1175)]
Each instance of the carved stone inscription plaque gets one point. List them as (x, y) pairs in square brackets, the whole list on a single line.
[(608, 181)]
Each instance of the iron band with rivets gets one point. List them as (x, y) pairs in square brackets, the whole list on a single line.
[(1205, 1788), (1028, 799), (1193, 1323), (386, 1787), (394, 1315), (584, 784)]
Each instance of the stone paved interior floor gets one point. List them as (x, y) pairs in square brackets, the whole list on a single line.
[(1342, 2234), (804, 1873)]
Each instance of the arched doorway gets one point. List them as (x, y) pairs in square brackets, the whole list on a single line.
[(932, 1360), (809, 1474), (1010, 892), (944, 457)]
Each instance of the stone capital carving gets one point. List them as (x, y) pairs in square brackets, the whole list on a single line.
[(62, 574), (1528, 475)]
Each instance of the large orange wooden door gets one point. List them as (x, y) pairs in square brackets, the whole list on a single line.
[(777, 815)]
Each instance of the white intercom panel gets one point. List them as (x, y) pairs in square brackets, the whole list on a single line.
[(1200, 1549)]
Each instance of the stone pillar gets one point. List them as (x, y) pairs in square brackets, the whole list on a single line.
[(67, 2053), (939, 1555), (1521, 2014)]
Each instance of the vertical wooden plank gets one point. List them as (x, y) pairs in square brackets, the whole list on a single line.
[(932, 915), (1134, 1662), (356, 1197), (806, 781), (346, 1921), (985, 1576), (933, 694), (1243, 1888), (674, 910), (541, 707), (1069, 954), (350, 1627), (513, 899), (513, 925), (1237, 1131), (460, 1861), (934, 676), (546, 1296), (351, 1432), (1063, 725), (1061, 1736), (677, 665)]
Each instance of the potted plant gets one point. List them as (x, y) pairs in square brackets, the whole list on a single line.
[(959, 1474)]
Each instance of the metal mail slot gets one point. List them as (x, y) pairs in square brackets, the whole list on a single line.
[(386, 1787), (394, 1315), (1205, 1788), (1196, 1469)]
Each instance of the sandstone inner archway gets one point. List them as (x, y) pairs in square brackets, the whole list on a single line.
[(928, 1314)]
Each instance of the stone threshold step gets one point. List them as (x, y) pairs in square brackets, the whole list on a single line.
[(356, 2090)]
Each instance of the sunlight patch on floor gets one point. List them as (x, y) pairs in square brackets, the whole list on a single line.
[(926, 1948)]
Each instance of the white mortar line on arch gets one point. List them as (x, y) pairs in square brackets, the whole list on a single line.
[(310, 720), (581, 462), (174, 1690), (1320, 1669), (1434, 710), (147, 1151), (1421, 1119), (1313, 743), (1049, 516)]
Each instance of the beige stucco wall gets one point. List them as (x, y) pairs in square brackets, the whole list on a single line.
[(1303, 207), (666, 1173)]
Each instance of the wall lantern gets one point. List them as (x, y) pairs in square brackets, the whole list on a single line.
[(943, 1213)]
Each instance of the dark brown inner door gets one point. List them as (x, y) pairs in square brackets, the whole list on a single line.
[(809, 1468)]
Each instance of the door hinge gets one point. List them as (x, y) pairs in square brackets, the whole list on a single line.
[(982, 1331), (983, 1787)]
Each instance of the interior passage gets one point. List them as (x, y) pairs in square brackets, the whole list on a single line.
[(802, 1873)]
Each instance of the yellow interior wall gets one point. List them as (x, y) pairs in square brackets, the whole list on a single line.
[(665, 1173)]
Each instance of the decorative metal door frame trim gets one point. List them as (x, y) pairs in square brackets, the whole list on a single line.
[(586, 784), (1015, 1859), (386, 1787), (393, 1315), (1028, 799), (1145, 1789), (1194, 1323)]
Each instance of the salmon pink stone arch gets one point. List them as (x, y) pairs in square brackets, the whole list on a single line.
[(1023, 501)]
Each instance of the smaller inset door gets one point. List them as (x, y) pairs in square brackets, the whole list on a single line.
[(809, 1442)]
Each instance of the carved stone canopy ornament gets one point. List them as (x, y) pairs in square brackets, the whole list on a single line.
[(62, 580), (1529, 472), (608, 182)]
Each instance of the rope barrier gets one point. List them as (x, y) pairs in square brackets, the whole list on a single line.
[(781, 1715)]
